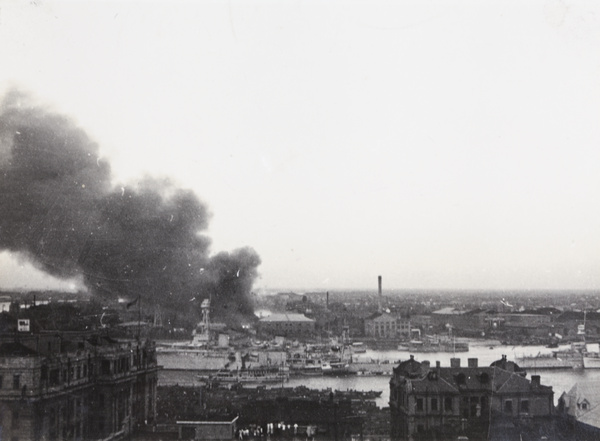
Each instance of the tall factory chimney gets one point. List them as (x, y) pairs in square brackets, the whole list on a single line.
[(379, 296), (327, 299)]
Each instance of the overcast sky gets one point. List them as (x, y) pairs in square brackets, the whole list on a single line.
[(441, 144)]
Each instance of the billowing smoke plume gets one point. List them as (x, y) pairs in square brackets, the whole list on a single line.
[(59, 209)]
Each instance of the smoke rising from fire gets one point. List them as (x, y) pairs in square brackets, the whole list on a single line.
[(59, 209)]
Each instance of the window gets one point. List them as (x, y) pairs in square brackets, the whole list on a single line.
[(44, 374), (524, 406), (483, 401), (475, 406), (54, 377), (17, 381), (434, 404), (420, 404), (508, 406), (583, 406), (448, 404)]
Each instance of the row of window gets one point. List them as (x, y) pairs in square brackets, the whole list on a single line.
[(76, 372), (69, 373), (523, 406), (471, 406), (434, 404)]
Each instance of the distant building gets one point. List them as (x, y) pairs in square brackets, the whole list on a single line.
[(286, 325), (75, 386), (5, 302), (421, 321), (520, 320), (450, 316), (446, 402), (568, 322), (385, 325)]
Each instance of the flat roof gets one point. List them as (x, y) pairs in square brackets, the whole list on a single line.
[(207, 422), (286, 318)]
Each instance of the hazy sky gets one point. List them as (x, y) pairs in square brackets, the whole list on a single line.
[(441, 144)]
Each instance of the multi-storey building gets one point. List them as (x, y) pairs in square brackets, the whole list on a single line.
[(579, 410), (445, 402), (62, 386), (286, 324), (384, 325)]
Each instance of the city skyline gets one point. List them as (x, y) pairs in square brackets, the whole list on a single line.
[(443, 146)]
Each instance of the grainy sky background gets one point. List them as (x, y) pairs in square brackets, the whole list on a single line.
[(439, 144)]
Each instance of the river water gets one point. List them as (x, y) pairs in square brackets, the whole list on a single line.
[(486, 353)]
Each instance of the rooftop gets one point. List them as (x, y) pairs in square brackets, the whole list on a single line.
[(286, 318), (499, 377)]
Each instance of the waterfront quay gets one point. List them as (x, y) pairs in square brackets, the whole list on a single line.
[(485, 351), (261, 405)]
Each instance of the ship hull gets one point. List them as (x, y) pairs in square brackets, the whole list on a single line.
[(196, 360), (556, 360)]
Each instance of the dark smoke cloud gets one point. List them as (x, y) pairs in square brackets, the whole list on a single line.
[(59, 210)]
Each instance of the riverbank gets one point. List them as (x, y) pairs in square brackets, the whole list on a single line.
[(485, 351)]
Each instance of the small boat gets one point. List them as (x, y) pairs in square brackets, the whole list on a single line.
[(249, 376), (309, 370), (358, 348)]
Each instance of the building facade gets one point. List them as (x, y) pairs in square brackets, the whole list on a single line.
[(384, 325), (579, 410), (446, 402), (215, 430), (286, 325), (62, 386)]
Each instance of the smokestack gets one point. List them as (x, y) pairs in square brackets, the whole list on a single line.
[(379, 307), (472, 362), (535, 380), (455, 362), (327, 299)]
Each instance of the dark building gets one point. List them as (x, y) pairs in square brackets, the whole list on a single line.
[(442, 403), (63, 386), (286, 325), (579, 411), (218, 429)]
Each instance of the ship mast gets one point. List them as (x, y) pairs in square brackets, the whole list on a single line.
[(202, 332)]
